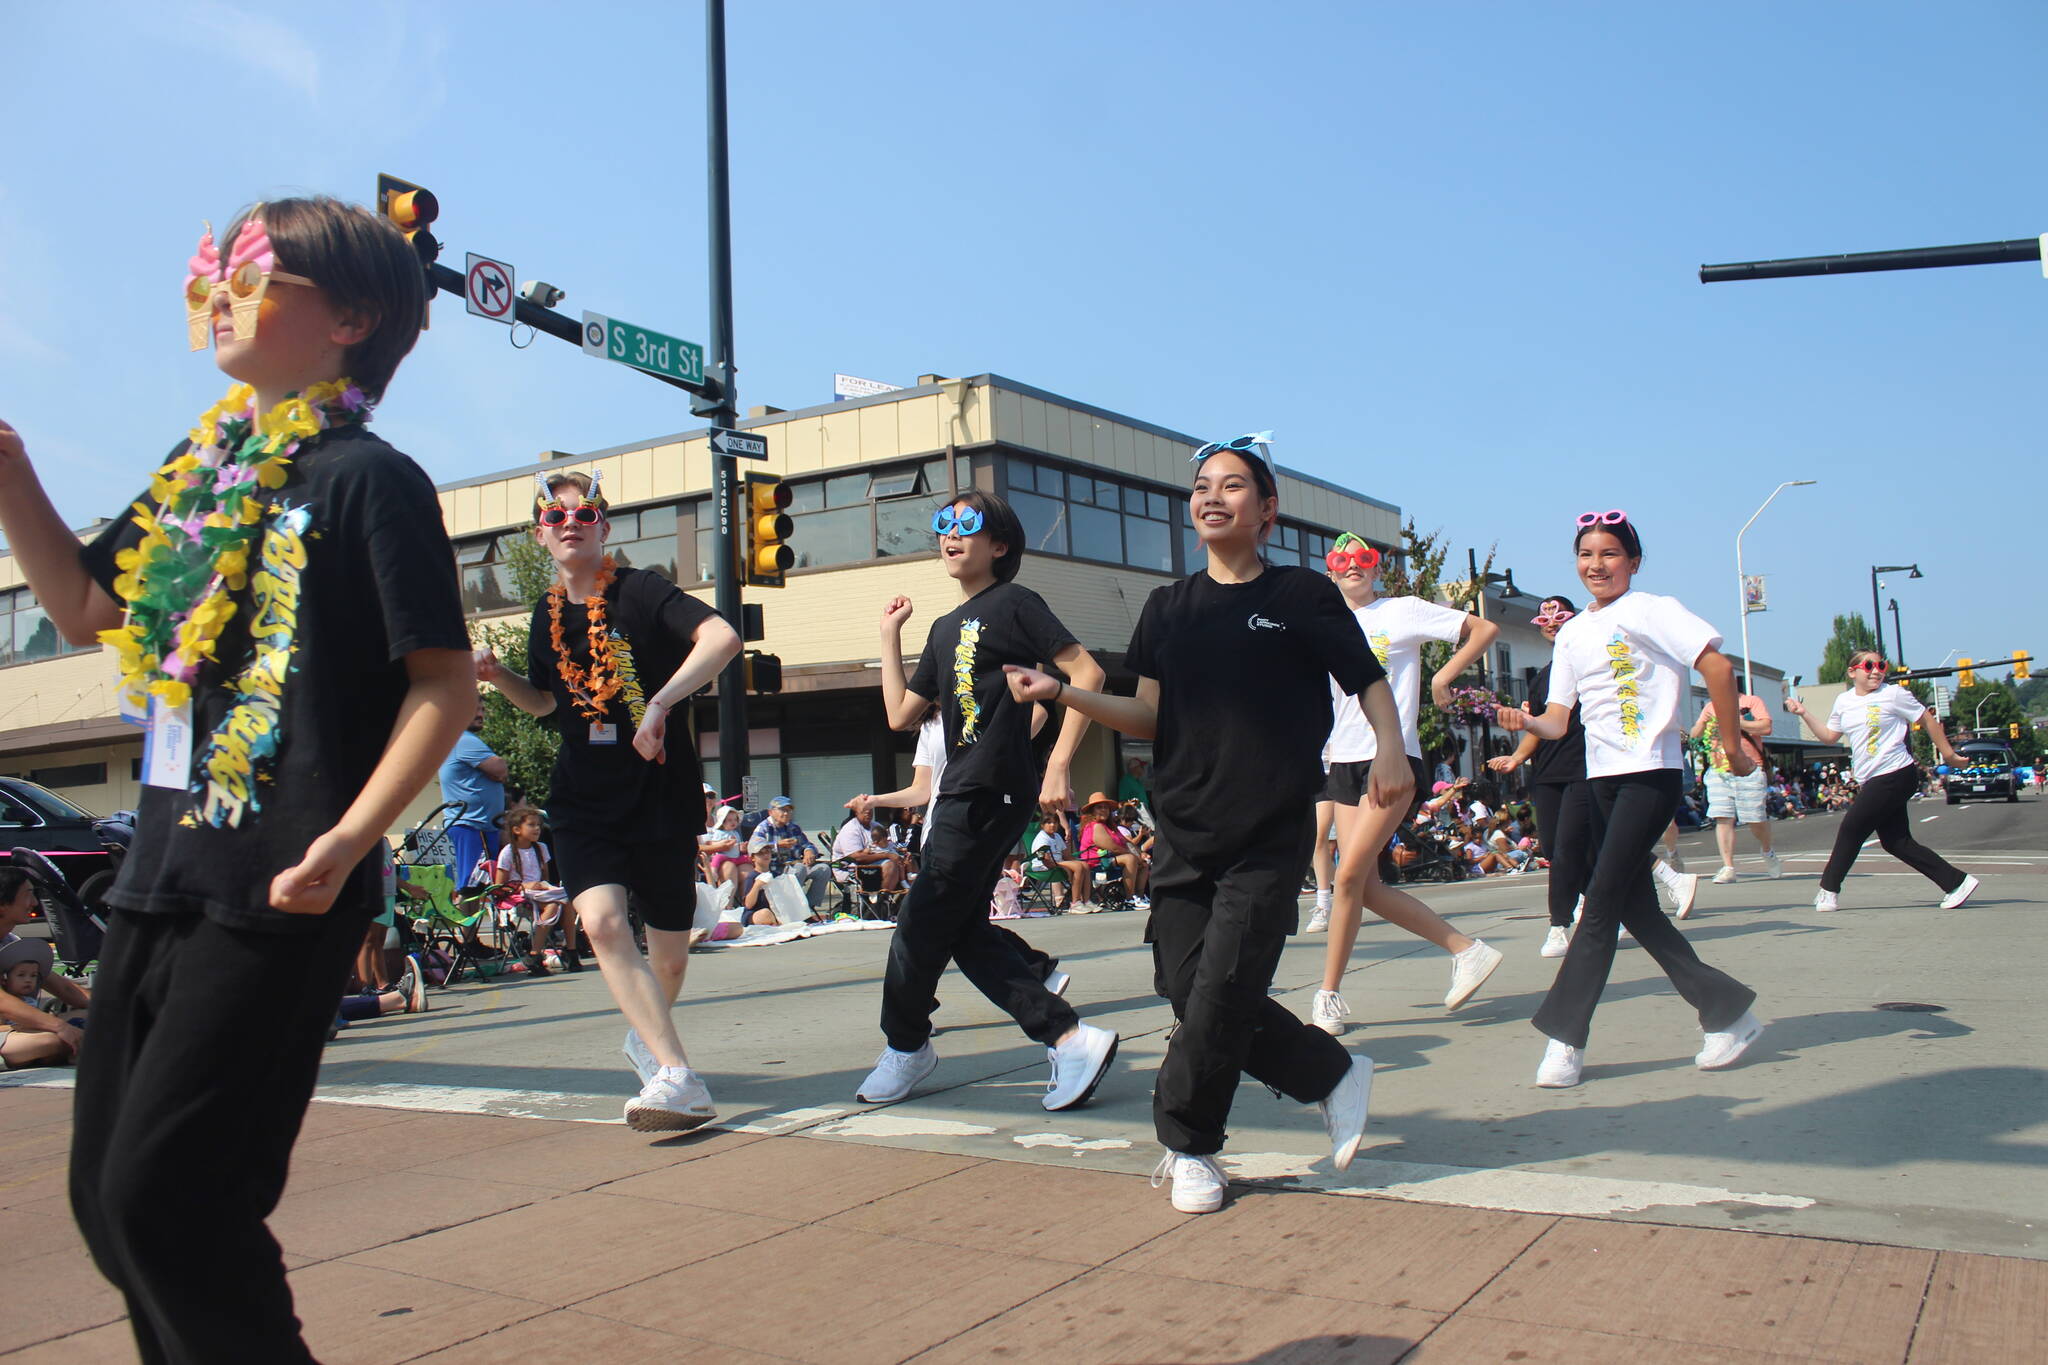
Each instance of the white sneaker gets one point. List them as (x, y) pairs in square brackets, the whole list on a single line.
[(1198, 1182), (1318, 922), (1774, 866), (1557, 942), (1825, 900), (1078, 1066), (674, 1100), (1329, 1012), (1684, 894), (1344, 1112), (1469, 971), (1725, 876), (1578, 910), (1962, 893), (1726, 1048), (1085, 908), (896, 1074), (644, 1065), (1560, 1066), (1058, 982)]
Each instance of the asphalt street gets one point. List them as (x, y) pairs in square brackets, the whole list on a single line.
[(1898, 1094)]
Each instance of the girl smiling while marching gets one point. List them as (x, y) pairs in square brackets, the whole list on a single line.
[(1625, 662), (1233, 668)]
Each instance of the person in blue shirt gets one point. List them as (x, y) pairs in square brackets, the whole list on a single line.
[(474, 777)]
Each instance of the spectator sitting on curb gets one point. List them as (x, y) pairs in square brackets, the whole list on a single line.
[(719, 847), (753, 892), (790, 851), (33, 1036)]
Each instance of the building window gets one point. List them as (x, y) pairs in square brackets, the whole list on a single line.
[(486, 587), (69, 775), (1082, 514), (645, 538), (26, 632), (641, 538)]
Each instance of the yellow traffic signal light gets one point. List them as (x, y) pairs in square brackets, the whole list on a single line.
[(764, 556), (2012, 729), (763, 672), (1965, 677), (411, 208), (2020, 660)]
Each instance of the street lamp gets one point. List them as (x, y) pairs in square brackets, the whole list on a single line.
[(1877, 608), (1898, 632), (1741, 594)]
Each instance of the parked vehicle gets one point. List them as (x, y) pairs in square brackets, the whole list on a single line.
[(85, 849), (1987, 773)]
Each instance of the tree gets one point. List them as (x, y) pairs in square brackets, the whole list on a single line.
[(1852, 633), (527, 745), (1418, 572)]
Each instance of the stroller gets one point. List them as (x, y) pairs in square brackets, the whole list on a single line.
[(78, 932), (445, 919)]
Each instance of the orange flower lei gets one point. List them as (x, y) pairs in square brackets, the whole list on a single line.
[(590, 691)]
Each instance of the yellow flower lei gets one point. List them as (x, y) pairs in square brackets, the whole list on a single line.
[(195, 545)]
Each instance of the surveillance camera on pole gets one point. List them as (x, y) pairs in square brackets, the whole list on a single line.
[(542, 294)]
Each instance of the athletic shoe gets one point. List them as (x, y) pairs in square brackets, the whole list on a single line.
[(1318, 922), (1725, 876), (1578, 910), (1085, 908), (1078, 1066), (1955, 898), (1676, 859), (1198, 1182), (1684, 894), (1826, 901), (644, 1065), (1726, 1048), (572, 961), (1774, 866), (1329, 1012), (1141, 902), (1469, 971), (1344, 1112), (675, 1100), (1058, 982), (1557, 942), (412, 984), (896, 1074), (537, 965), (1561, 1065)]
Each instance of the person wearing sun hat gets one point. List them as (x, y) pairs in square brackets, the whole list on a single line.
[(1101, 840)]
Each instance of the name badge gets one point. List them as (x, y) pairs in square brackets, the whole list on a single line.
[(604, 732), (167, 748)]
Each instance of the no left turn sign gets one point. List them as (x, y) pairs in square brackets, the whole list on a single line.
[(487, 288)]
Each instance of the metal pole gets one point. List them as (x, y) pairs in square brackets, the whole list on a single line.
[(1898, 634), (1913, 258), (1741, 597), (724, 410), (1876, 613)]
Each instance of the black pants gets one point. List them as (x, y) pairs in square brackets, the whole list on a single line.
[(205, 1045), (945, 919), (1564, 822), (1630, 814), (1880, 808), (1217, 930)]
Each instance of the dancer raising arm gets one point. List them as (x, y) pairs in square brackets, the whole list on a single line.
[(1396, 628), (1233, 668), (1873, 716), (626, 807), (1626, 661)]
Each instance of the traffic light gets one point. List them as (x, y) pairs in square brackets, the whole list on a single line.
[(1965, 676), (764, 555), (2020, 660), (764, 672), (411, 208)]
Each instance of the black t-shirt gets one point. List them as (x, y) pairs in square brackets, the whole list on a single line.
[(1557, 761), (988, 734), (351, 572), (608, 788), (1244, 699)]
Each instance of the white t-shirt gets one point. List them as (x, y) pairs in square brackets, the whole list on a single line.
[(1627, 665), (1056, 842), (1396, 628), (931, 753), (1873, 728), (1477, 812), (854, 837), (515, 864)]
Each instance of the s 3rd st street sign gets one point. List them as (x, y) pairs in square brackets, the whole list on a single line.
[(643, 348)]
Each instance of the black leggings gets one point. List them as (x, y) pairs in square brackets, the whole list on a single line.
[(1880, 807), (1630, 814), (1564, 821)]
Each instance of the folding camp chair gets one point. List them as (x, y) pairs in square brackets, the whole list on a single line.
[(442, 919)]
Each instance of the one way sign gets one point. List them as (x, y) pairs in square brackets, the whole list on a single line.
[(487, 288), (744, 444)]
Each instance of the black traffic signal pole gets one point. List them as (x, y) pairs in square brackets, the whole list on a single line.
[(721, 405), (1913, 258), (1951, 671)]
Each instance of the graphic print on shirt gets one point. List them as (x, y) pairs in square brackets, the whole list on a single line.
[(963, 681), (1621, 662), (629, 678), (242, 748), (1258, 622), (1382, 645), (1873, 717)]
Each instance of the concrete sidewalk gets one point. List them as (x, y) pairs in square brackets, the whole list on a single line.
[(451, 1237)]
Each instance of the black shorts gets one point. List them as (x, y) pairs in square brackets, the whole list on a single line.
[(659, 875), (1346, 783)]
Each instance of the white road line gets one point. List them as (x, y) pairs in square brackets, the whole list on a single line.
[(1925, 819)]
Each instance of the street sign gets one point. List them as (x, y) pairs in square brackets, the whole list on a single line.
[(743, 445), (1753, 598), (1944, 701), (487, 288), (850, 386), (643, 348)]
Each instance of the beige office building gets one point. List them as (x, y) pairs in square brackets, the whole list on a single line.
[(1102, 497)]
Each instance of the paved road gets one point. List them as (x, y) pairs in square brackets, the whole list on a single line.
[(1924, 1128)]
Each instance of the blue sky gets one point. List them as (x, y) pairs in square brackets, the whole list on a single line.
[(1447, 252)]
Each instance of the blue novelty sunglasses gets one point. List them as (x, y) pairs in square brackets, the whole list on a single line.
[(947, 522)]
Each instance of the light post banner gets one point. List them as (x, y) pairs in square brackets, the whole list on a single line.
[(1753, 598)]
